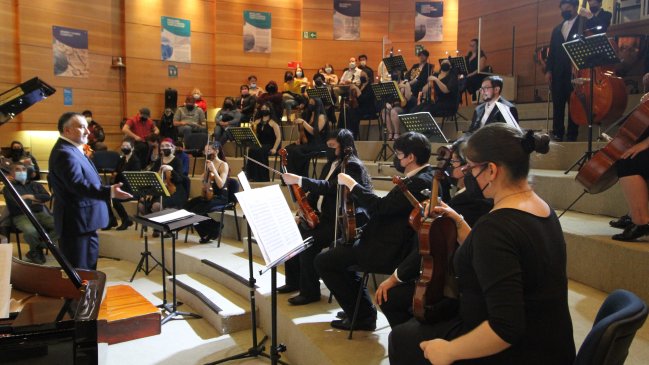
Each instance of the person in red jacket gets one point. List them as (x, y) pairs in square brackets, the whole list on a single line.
[(199, 101)]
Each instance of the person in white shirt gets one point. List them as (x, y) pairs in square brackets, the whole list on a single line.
[(495, 108), (352, 75)]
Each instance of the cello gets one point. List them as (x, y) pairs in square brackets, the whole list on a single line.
[(306, 213), (599, 174), (609, 92)]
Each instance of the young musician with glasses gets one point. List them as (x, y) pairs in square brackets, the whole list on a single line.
[(490, 111)]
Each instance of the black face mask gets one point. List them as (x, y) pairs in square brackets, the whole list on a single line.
[(126, 151), (566, 15), (446, 67), (396, 163), (211, 156), (228, 106), (271, 89), (289, 78), (166, 152), (363, 79), (264, 113), (17, 153), (331, 154), (594, 9), (319, 83), (189, 107), (472, 186), (143, 118)]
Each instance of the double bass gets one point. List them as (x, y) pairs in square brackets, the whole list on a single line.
[(609, 92)]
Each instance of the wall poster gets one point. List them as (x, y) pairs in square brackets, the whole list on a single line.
[(256, 31), (70, 49), (347, 20), (175, 40), (428, 21)]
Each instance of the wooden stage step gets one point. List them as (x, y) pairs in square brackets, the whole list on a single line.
[(126, 315)]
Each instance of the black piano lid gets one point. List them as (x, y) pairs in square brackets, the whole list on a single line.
[(19, 98)]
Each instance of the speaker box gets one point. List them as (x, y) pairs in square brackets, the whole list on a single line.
[(171, 98)]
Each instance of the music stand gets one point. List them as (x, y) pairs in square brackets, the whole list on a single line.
[(458, 63), (170, 226), (322, 93), (588, 53), (395, 63), (140, 184), (425, 124), (385, 92), (244, 139)]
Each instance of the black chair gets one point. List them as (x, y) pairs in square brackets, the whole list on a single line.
[(195, 145), (370, 118), (106, 161), (364, 279), (616, 323), (313, 162)]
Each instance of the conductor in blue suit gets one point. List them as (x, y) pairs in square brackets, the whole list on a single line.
[(79, 196)]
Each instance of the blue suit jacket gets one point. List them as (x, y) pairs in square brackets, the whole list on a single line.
[(79, 196)]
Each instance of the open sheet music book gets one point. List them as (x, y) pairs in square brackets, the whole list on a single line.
[(272, 223), (172, 217)]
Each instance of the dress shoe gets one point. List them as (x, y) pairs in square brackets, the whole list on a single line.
[(341, 315), (34, 257), (364, 324), (205, 240), (285, 289), (632, 232), (302, 300), (124, 226), (111, 224), (622, 222), (557, 138)]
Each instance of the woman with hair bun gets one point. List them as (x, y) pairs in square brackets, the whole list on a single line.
[(510, 269)]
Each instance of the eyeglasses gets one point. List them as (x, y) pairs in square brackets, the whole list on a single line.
[(468, 168), (486, 88)]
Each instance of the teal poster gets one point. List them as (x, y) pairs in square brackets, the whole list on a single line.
[(347, 20), (428, 21), (70, 50), (256, 31), (176, 40)]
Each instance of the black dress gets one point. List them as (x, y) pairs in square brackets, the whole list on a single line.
[(177, 199), (639, 165), (210, 228), (445, 103), (473, 82), (511, 272), (266, 136), (298, 155)]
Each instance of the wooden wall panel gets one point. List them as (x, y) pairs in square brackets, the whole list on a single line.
[(147, 45), (8, 56), (286, 21), (199, 12)]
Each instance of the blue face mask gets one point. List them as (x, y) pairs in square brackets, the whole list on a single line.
[(21, 176)]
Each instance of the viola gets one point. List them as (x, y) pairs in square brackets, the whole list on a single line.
[(306, 213), (347, 210), (207, 192), (168, 182), (599, 174), (609, 92), (414, 220)]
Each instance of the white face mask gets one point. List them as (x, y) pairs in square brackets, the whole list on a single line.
[(197, 96), (328, 70), (253, 85), (363, 63), (21, 176), (298, 74), (352, 65)]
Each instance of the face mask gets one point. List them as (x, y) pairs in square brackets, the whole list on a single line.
[(446, 67), (289, 78), (244, 92), (88, 119), (197, 96), (271, 89), (166, 152), (17, 152), (352, 65), (396, 163), (328, 70), (331, 154), (363, 79), (253, 85), (126, 151), (594, 9), (228, 106), (566, 15), (363, 63), (21, 176), (319, 83), (189, 107), (143, 118), (211, 156), (298, 74), (264, 113), (472, 186)]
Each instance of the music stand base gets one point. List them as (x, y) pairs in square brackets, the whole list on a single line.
[(580, 162), (172, 316), (252, 352), (141, 266)]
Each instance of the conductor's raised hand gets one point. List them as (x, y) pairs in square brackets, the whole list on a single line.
[(118, 193), (291, 179), (346, 180)]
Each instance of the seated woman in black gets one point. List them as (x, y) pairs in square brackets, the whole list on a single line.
[(316, 127), (127, 162), (444, 101), (269, 136), (473, 81), (510, 269), (215, 178)]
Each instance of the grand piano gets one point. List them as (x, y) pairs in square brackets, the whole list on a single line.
[(57, 323)]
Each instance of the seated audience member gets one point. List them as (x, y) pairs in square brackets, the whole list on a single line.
[(361, 104), (270, 137), (300, 271), (319, 83), (139, 128), (364, 67), (190, 119), (329, 74), (228, 116), (153, 145), (128, 162), (439, 97), (387, 238), (382, 69), (495, 108), (395, 107), (472, 78), (253, 88), (301, 78), (510, 268), (246, 104), (352, 74), (316, 127), (199, 101), (273, 96), (167, 129), (214, 194), (35, 196), (19, 155), (291, 95), (97, 136)]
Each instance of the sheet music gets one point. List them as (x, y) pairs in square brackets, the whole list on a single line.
[(173, 216), (243, 181), (271, 221), (507, 114), (5, 276)]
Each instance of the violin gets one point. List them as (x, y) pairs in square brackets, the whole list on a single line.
[(609, 97), (167, 180), (599, 174), (306, 213), (414, 220), (437, 243), (207, 192), (347, 212)]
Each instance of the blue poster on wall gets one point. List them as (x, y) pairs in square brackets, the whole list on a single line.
[(176, 40), (67, 96), (428, 21), (257, 31), (347, 20), (70, 50)]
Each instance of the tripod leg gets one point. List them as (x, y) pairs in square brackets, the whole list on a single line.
[(573, 203), (139, 266)]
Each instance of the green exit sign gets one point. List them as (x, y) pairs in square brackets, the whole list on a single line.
[(310, 35)]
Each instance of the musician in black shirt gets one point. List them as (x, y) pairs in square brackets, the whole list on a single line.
[(596, 17)]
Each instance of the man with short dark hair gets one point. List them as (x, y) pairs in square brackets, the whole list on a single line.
[(364, 67), (189, 119), (139, 128), (495, 108), (598, 19), (386, 240)]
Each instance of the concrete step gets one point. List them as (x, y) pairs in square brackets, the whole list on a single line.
[(222, 308)]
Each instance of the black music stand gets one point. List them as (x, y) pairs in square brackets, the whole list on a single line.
[(588, 53), (425, 124), (244, 139), (385, 92), (140, 184), (458, 63), (322, 93), (170, 226), (395, 63)]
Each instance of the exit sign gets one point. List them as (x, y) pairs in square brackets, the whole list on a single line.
[(310, 35)]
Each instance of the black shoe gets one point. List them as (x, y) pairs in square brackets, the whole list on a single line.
[(622, 222), (341, 315), (205, 240), (632, 232), (41, 256), (557, 138), (365, 324), (34, 257), (571, 139), (111, 224), (285, 289), (155, 234), (124, 226), (302, 300)]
